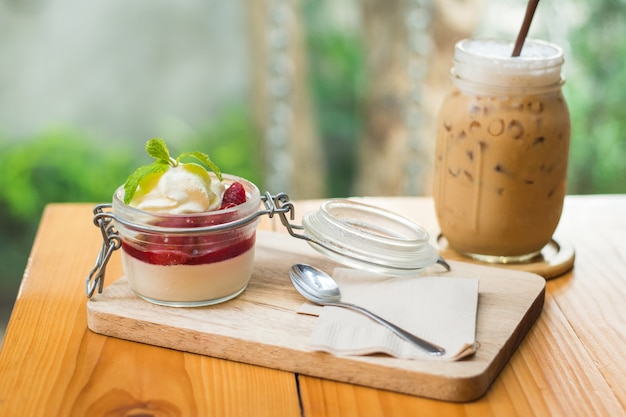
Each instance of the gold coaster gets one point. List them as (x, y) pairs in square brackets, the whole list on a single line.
[(555, 259)]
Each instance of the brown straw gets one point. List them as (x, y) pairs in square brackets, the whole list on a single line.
[(528, 18)]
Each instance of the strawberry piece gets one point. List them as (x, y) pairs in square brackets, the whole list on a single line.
[(233, 196)]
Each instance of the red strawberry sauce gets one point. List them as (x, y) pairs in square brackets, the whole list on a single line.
[(158, 253)]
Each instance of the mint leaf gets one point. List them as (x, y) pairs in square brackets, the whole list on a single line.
[(204, 158), (131, 184), (157, 149)]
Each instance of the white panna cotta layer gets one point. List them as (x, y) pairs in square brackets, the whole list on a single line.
[(189, 285)]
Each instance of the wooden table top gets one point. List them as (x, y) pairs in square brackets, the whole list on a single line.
[(572, 362)]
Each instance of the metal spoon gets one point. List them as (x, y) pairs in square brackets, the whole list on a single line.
[(319, 288)]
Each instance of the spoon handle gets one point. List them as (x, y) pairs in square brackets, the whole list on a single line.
[(429, 347)]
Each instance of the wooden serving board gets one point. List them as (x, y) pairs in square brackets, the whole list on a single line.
[(261, 326)]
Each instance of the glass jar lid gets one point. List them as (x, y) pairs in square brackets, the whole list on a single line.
[(368, 237)]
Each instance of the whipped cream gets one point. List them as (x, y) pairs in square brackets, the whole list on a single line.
[(180, 191)]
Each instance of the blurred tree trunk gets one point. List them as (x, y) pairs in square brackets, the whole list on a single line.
[(383, 146), (282, 101), (385, 152)]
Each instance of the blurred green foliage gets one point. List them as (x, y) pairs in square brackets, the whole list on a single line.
[(58, 165), (595, 94)]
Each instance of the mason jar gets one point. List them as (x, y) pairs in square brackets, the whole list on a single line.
[(502, 148), (187, 260)]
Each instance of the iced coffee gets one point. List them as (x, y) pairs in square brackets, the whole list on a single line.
[(502, 149)]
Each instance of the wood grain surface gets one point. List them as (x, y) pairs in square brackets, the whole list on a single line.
[(262, 327), (571, 362)]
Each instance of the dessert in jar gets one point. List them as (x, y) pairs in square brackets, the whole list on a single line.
[(502, 147), (162, 215)]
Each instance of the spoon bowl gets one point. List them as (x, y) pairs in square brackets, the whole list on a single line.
[(314, 281), (318, 287)]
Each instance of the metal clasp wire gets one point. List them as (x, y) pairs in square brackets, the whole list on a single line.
[(111, 241), (281, 205)]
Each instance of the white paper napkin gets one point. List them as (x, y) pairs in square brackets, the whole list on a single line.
[(439, 309)]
